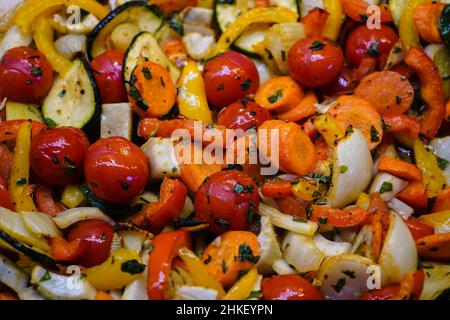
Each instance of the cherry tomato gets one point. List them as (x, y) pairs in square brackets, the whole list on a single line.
[(5, 198), (364, 43), (314, 62), (243, 114), (116, 170), (25, 75), (343, 83), (419, 229), (289, 287), (107, 69), (99, 234), (385, 293), (229, 77), (57, 155), (226, 201)]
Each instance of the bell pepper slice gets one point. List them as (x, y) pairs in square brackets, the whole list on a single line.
[(9, 129), (257, 15), (241, 289), (406, 28), (62, 250), (5, 198), (334, 20), (357, 10), (165, 248), (347, 218)]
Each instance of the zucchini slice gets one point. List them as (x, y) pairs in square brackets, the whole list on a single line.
[(74, 99), (444, 26), (21, 111), (144, 17), (145, 47)]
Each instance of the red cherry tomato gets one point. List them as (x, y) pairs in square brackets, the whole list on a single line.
[(107, 69), (116, 170), (25, 75), (289, 287), (5, 198), (365, 43), (419, 229), (229, 77), (226, 201), (57, 155), (385, 293), (314, 62), (344, 83), (99, 235), (243, 114)]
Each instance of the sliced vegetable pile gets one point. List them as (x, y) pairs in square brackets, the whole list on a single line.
[(95, 202)]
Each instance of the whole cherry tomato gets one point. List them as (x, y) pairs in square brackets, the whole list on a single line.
[(99, 234), (57, 155), (385, 293), (25, 75), (229, 77), (289, 287), (5, 198), (107, 69), (243, 114), (344, 83), (364, 43), (419, 229), (226, 201), (115, 169), (314, 62)]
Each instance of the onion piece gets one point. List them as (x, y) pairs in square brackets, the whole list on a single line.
[(71, 216), (269, 247), (352, 170), (441, 148), (40, 224), (364, 237), (69, 45), (13, 38), (301, 252), (437, 279), (284, 221), (195, 293), (344, 277), (11, 275), (281, 267), (400, 208), (399, 254), (331, 248), (29, 293), (384, 181)]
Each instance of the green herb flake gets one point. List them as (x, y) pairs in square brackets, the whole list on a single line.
[(246, 85), (339, 285), (207, 260), (36, 72), (374, 48), (275, 97), (442, 163), (55, 159), (386, 187), (317, 45), (322, 220), (147, 73), (245, 253), (374, 135), (21, 182), (255, 295), (308, 212), (299, 219), (222, 222), (239, 188), (398, 99), (45, 277), (49, 122), (349, 273), (132, 267), (343, 169)]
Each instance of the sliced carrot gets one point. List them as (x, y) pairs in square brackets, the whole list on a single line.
[(350, 217), (426, 18), (235, 252), (292, 206), (152, 92), (442, 202), (380, 222), (360, 114), (6, 159), (414, 195), (296, 151), (279, 94), (388, 91), (102, 295), (435, 247), (305, 109), (402, 123), (357, 10), (431, 89), (400, 169), (314, 22), (276, 189), (176, 52), (43, 197)]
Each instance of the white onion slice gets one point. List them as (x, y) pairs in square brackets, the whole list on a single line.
[(401, 208), (388, 180), (40, 224), (71, 216), (301, 252), (331, 248)]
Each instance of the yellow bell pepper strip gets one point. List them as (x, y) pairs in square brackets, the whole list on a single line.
[(440, 221), (433, 178), (241, 289), (31, 9), (121, 268), (257, 15), (19, 188), (329, 128), (192, 96), (334, 21), (306, 189), (43, 38), (73, 197), (200, 275), (406, 28)]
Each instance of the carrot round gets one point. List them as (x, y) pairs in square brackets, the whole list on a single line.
[(426, 18), (276, 189), (431, 89), (152, 92), (400, 169), (279, 94), (357, 10), (435, 247), (388, 91), (360, 114), (304, 109), (230, 255), (414, 195)]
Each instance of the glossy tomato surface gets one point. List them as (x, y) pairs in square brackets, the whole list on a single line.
[(99, 235), (243, 114), (363, 43), (115, 169), (25, 75), (289, 287), (5, 198), (227, 201), (107, 69), (315, 62), (57, 155), (229, 77)]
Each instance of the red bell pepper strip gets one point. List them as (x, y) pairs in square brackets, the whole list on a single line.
[(357, 10), (9, 129), (419, 229), (63, 250), (399, 123), (6, 160), (314, 22), (347, 218), (277, 189), (5, 198), (442, 202), (43, 198), (415, 195)]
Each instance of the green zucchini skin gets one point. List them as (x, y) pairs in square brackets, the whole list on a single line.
[(444, 26), (94, 122), (113, 14), (38, 257)]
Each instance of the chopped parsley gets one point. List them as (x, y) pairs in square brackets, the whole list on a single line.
[(239, 188), (308, 212), (386, 187), (349, 273), (442, 163), (374, 135), (132, 267), (374, 48), (398, 99), (317, 45), (36, 72), (385, 126), (220, 87), (245, 253), (255, 295), (343, 169), (222, 222), (21, 182), (45, 277), (207, 260), (275, 97), (246, 84), (339, 285), (147, 73), (50, 123), (322, 220), (55, 159), (299, 219), (125, 185)]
